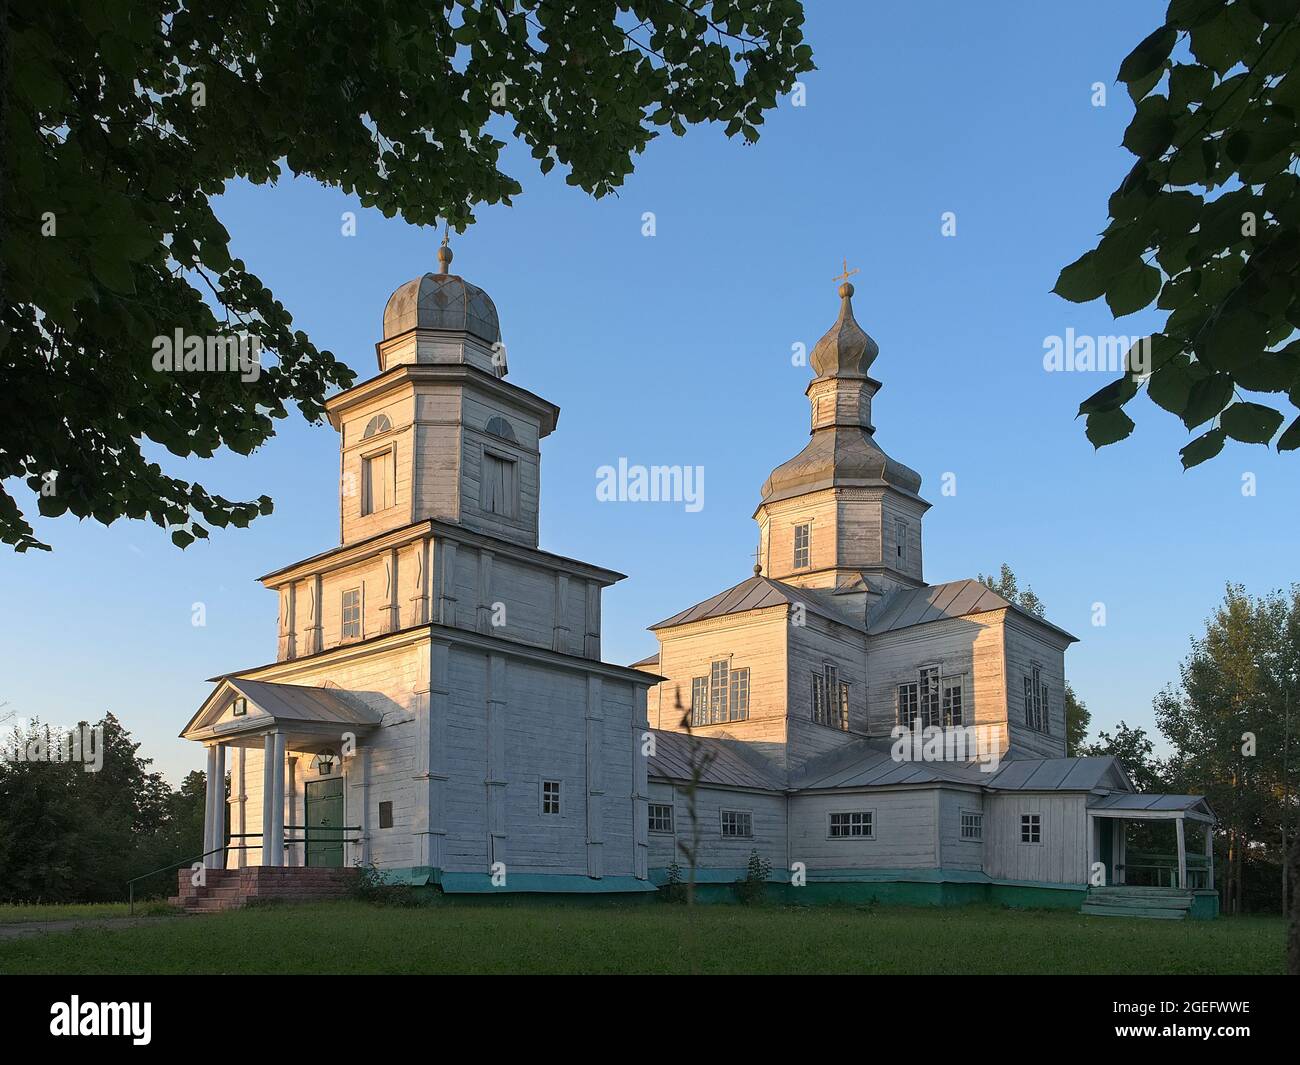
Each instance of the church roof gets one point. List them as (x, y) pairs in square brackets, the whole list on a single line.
[(935, 602), (870, 763), (1058, 774), (846, 349), (671, 760), (442, 301), (756, 593), (839, 456)]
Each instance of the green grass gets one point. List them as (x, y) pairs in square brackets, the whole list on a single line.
[(351, 937), (25, 913)]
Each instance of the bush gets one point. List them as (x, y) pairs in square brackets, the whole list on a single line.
[(757, 871), (673, 890), (374, 888)]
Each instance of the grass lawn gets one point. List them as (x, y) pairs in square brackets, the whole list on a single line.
[(353, 937), (25, 913)]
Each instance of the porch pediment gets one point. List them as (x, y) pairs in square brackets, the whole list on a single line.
[(303, 713), (1140, 806)]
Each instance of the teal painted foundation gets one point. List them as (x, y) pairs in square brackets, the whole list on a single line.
[(889, 887)]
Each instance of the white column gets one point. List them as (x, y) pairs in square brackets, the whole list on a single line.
[(1120, 850), (1182, 855), (1094, 846), (277, 842), (1209, 855), (219, 809), (293, 857), (268, 796), (238, 794), (209, 801)]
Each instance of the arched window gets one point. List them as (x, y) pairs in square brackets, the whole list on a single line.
[(378, 424), (498, 426)]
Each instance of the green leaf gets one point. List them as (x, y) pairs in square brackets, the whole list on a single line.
[(1202, 448), (1132, 289), (1112, 397), (1290, 440), (181, 538), (1108, 427), (1079, 282), (1171, 386), (1209, 396), (1149, 55), (1252, 423)]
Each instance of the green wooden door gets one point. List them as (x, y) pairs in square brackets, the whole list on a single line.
[(324, 810)]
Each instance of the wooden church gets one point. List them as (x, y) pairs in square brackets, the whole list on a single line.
[(438, 707)]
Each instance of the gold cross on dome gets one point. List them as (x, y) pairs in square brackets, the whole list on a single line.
[(847, 272)]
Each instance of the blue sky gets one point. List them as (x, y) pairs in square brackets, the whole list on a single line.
[(676, 349)]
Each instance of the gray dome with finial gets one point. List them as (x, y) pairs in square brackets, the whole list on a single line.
[(443, 302), (846, 348)]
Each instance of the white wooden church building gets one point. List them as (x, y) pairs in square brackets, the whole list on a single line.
[(438, 706)]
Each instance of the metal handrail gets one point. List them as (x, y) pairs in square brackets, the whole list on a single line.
[(130, 884)]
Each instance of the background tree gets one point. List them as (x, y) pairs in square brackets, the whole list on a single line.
[(71, 836), (127, 116), (1207, 225), (1227, 724), (1077, 716)]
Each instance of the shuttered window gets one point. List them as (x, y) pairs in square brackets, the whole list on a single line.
[(499, 486), (377, 482)]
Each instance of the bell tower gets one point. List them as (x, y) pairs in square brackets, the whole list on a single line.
[(842, 515), (440, 433)]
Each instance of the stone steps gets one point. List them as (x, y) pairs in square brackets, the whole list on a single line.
[(230, 889)]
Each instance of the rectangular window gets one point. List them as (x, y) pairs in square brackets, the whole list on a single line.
[(856, 824), (385, 815), (1031, 828), (352, 613), (377, 482), (972, 824), (930, 705), (739, 694), (908, 701), (953, 701), (499, 485), (719, 690), (700, 701), (550, 796), (830, 698), (661, 817), (900, 540), (737, 824), (240, 709), (802, 546), (1036, 701)]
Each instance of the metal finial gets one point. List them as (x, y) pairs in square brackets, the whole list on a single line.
[(444, 251), (846, 288)]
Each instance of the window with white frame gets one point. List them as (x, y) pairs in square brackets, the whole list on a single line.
[(377, 482), (661, 817), (550, 796), (499, 486), (722, 696), (900, 539), (700, 701), (351, 612), (802, 546), (851, 824), (934, 699), (737, 824), (1037, 711), (954, 701), (830, 698), (972, 824), (930, 712), (719, 690), (1031, 828), (378, 424), (240, 708)]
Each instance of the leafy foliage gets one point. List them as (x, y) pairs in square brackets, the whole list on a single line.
[(71, 836), (1207, 225), (754, 885), (124, 117)]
